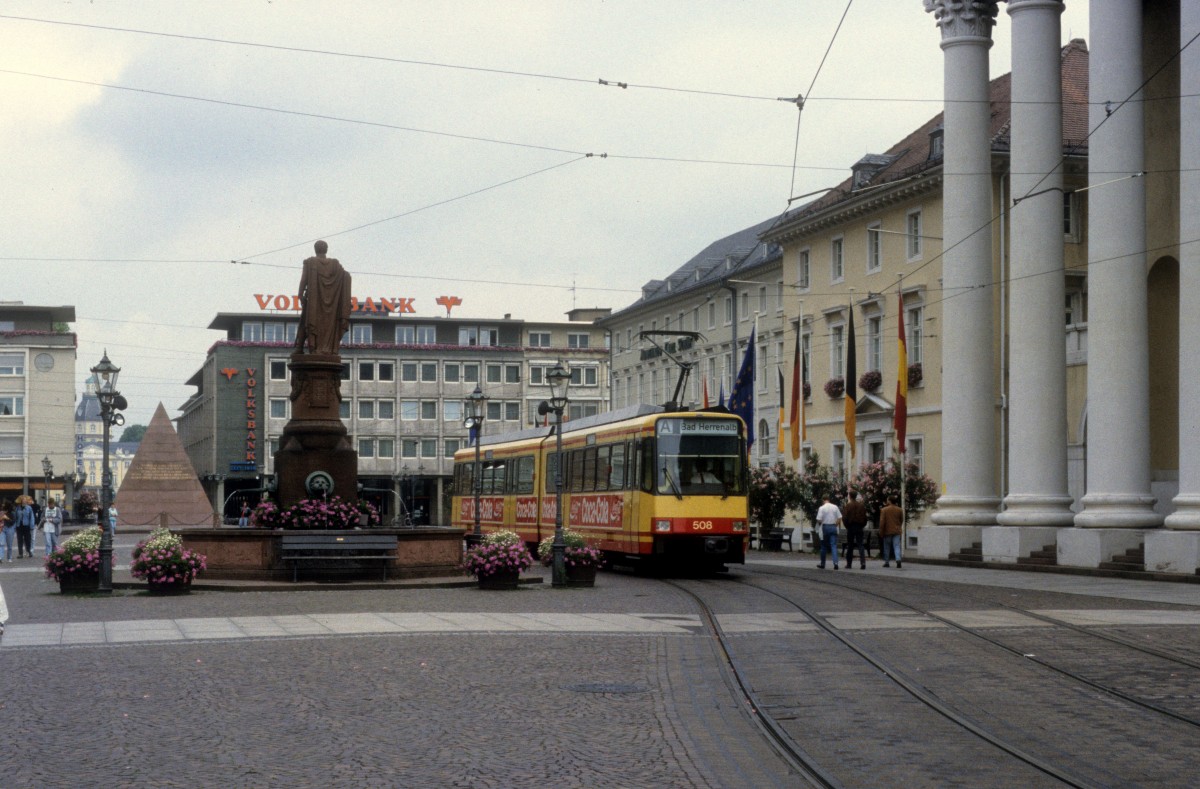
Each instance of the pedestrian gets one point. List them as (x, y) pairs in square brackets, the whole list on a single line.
[(112, 519), (830, 517), (8, 528), (891, 526), (52, 526), (854, 514), (23, 516), (244, 516), (3, 612)]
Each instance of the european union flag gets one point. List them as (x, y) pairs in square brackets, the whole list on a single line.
[(741, 397)]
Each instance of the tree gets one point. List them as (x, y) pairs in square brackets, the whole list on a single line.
[(877, 481), (817, 482), (86, 505), (774, 491), (133, 434)]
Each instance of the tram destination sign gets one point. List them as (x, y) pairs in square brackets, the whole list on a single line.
[(698, 427)]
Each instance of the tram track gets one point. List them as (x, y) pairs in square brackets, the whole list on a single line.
[(1024, 655), (795, 754)]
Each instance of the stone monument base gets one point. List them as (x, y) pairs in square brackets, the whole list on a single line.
[(315, 457)]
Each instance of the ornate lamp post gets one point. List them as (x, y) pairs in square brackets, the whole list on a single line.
[(111, 402), (476, 407), (559, 379), (48, 470)]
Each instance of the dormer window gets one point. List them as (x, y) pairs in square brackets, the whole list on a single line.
[(936, 141)]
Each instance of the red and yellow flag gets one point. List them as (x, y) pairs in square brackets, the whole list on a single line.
[(851, 404), (782, 413), (900, 413), (705, 382), (799, 429)]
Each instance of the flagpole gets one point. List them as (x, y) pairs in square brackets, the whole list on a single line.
[(903, 448)]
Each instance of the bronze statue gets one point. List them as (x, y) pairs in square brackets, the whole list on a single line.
[(324, 303)]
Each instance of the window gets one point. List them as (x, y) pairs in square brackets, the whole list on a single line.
[(839, 457), (344, 373), (366, 371), (876, 450), (712, 315), (386, 447), (408, 448), (536, 374), (512, 411), (512, 373), (837, 259), (274, 332), (344, 409), (916, 452), (745, 304), (1071, 217), (452, 373), (779, 296), (252, 332), (802, 271), (489, 335), (450, 446), (837, 351), (12, 364), (361, 334), (12, 447), (728, 310), (410, 410), (539, 339), (366, 409), (913, 333), (1076, 303), (387, 371), (408, 372), (426, 335), (494, 372), (452, 410), (575, 340), (874, 248), (875, 342), (278, 370), (762, 298), (763, 439), (366, 448), (406, 335), (696, 319), (429, 409), (468, 335), (429, 372), (278, 408), (580, 410), (494, 411), (429, 447), (586, 376), (913, 233), (386, 409), (471, 372)]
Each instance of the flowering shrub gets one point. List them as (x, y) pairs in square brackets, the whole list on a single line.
[(807, 390), (774, 491), (878, 481), (915, 374), (835, 387), (267, 516), (365, 507), (502, 537), (331, 513), (870, 380), (816, 482), (489, 558), (86, 505), (162, 559), (577, 553), (79, 553)]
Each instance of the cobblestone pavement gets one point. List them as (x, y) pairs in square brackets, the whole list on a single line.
[(617, 686)]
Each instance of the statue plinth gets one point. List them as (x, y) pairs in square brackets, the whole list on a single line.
[(314, 446)]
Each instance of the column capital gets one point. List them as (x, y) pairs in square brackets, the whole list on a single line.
[(964, 19)]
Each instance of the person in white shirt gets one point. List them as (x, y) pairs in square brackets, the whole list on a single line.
[(829, 517), (52, 525)]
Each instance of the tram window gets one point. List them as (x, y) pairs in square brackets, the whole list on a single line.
[(603, 465), (524, 472), (551, 465), (493, 478), (575, 471), (588, 483), (616, 468), (646, 462)]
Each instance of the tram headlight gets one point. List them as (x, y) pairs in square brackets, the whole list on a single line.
[(739, 526), (662, 525)]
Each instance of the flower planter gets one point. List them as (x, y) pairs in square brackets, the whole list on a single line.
[(504, 579), (581, 575), (79, 583), (169, 588)]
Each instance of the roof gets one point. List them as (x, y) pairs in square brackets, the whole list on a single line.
[(18, 310)]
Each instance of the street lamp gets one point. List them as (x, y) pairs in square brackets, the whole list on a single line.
[(48, 470), (111, 402), (559, 378), (476, 407)]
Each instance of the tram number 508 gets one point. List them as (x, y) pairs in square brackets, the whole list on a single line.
[(702, 525)]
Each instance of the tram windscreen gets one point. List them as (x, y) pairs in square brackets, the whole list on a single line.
[(699, 457)]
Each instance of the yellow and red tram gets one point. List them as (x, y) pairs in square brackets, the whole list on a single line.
[(639, 483)]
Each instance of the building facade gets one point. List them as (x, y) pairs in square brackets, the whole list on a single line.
[(89, 445), (37, 399), (404, 383)]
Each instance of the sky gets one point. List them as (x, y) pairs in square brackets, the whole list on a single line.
[(460, 148)]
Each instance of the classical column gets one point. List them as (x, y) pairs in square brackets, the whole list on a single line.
[(1118, 419), (1187, 503), (968, 396), (1037, 392)]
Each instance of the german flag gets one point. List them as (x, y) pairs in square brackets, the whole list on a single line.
[(900, 413), (851, 388), (799, 428)]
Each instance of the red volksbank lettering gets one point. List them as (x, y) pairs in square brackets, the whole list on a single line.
[(378, 304)]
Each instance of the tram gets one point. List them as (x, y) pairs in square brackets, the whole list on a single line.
[(641, 483)]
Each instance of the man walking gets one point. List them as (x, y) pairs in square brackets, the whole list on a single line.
[(855, 517), (891, 526), (829, 517), (52, 525)]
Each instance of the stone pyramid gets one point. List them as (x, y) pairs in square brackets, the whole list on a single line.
[(161, 486)]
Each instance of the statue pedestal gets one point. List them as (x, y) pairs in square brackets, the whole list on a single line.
[(314, 449)]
